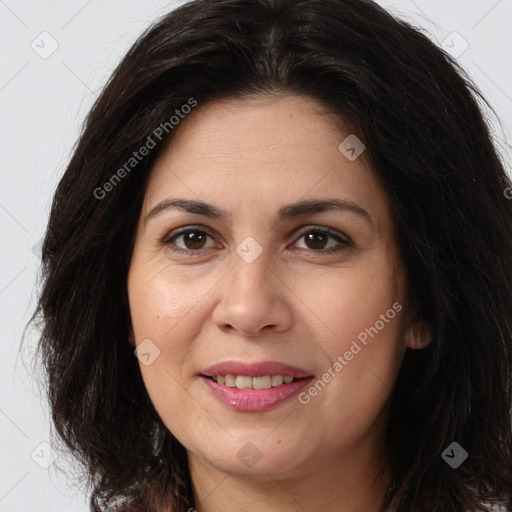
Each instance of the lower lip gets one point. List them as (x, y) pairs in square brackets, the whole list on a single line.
[(255, 399)]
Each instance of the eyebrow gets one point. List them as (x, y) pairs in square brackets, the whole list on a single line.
[(289, 211)]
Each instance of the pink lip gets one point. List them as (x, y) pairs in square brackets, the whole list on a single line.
[(255, 399), (255, 369)]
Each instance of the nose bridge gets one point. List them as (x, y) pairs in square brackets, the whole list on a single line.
[(250, 298), (251, 264)]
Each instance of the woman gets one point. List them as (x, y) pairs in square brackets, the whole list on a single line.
[(277, 271)]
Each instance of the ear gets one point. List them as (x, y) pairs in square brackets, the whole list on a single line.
[(418, 334), (131, 336)]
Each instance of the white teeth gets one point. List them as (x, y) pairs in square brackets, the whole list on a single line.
[(246, 382), (230, 381), (243, 382), (261, 382), (277, 380)]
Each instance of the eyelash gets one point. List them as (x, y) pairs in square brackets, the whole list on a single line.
[(194, 253)]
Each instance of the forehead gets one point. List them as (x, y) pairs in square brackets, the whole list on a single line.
[(264, 128), (260, 152)]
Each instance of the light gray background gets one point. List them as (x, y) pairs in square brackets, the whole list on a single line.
[(43, 102)]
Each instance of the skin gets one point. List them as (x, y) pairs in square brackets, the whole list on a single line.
[(294, 303)]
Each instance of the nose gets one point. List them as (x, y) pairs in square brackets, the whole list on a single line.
[(253, 297)]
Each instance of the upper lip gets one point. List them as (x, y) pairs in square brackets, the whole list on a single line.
[(258, 369)]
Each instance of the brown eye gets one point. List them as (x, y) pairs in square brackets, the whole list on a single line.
[(318, 239), (192, 240)]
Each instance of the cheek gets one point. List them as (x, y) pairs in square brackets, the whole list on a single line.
[(161, 307), (349, 302), (162, 303), (158, 308), (362, 343)]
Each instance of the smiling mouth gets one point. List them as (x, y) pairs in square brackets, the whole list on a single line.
[(248, 382)]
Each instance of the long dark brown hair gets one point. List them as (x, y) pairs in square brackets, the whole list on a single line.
[(430, 146)]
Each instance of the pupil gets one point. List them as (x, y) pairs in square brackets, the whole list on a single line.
[(313, 237), (189, 239)]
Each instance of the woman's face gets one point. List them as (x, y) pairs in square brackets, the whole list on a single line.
[(264, 286)]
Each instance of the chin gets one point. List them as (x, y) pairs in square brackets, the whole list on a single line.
[(261, 460)]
